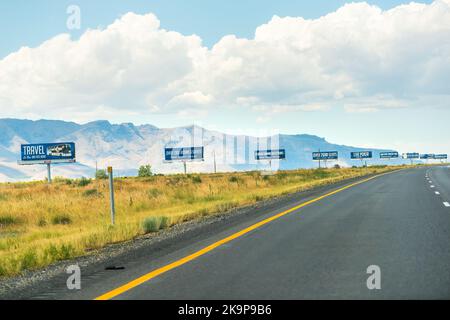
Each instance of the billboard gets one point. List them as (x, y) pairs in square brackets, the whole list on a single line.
[(440, 156), (361, 155), (388, 154), (427, 156), (270, 154), (411, 155), (184, 154), (325, 155), (45, 153)]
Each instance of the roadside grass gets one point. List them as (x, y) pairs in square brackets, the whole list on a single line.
[(41, 224)]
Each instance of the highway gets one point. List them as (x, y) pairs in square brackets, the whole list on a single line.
[(320, 249)]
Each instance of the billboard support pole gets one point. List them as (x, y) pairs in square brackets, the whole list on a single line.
[(185, 167), (49, 173), (319, 158), (111, 195)]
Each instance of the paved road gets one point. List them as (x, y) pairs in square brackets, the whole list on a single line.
[(397, 222)]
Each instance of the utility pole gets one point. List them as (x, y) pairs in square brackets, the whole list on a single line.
[(111, 195), (319, 158), (215, 165)]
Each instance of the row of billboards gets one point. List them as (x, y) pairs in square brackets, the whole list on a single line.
[(197, 153), (333, 155), (47, 153)]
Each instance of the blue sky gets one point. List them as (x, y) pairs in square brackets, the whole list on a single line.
[(360, 105)]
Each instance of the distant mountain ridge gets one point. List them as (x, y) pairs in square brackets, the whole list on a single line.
[(126, 147)]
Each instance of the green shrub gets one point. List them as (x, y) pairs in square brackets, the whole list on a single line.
[(154, 224), (92, 193), (258, 197), (145, 171), (28, 260), (165, 222), (42, 222), (84, 182), (101, 174), (8, 220), (66, 252), (61, 180), (233, 179), (151, 224), (61, 219), (196, 179)]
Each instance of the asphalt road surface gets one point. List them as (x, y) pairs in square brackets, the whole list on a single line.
[(399, 222)]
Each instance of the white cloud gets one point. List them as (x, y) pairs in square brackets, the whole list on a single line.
[(360, 57)]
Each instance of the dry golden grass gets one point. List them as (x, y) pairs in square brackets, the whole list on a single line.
[(41, 224)]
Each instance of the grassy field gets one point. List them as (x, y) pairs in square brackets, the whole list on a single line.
[(41, 223)]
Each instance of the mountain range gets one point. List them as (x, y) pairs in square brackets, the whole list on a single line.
[(126, 147)]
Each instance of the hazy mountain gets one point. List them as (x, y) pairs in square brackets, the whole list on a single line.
[(126, 147)]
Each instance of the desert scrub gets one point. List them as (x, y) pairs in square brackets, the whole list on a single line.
[(92, 193), (62, 221), (8, 220), (84, 182), (154, 224), (196, 179)]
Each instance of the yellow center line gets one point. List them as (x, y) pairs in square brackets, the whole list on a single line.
[(132, 284)]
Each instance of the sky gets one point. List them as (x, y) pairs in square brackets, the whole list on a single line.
[(372, 74)]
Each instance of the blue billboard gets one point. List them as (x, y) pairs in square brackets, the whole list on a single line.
[(57, 152), (270, 154), (388, 154), (411, 155), (361, 155), (440, 156), (184, 154), (427, 156), (325, 155)]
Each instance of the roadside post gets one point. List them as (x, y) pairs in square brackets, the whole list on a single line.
[(319, 159), (111, 194), (48, 154), (185, 154), (49, 173), (325, 155)]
